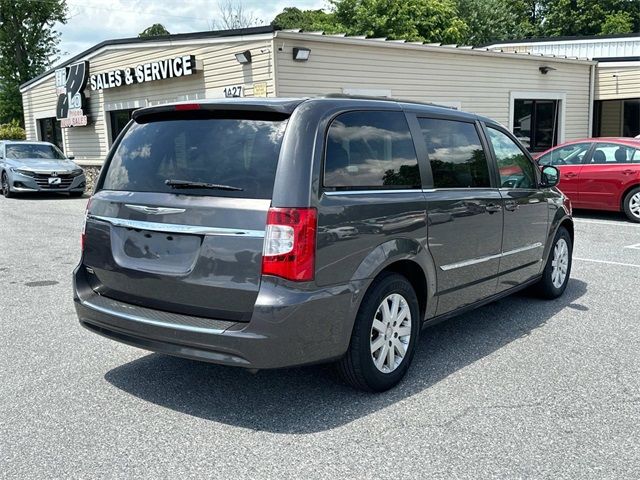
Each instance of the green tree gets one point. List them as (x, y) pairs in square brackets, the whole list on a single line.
[(413, 20), (154, 30), (588, 17), (496, 20), (307, 20), (616, 23), (28, 46)]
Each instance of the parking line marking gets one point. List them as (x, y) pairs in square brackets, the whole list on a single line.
[(607, 262), (635, 246), (605, 222)]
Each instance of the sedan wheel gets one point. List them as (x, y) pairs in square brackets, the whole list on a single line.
[(6, 191), (632, 205)]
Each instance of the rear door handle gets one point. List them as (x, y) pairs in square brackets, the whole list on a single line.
[(493, 207), (628, 171)]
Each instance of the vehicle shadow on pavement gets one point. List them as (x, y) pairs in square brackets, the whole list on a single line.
[(311, 399), (47, 196), (600, 215)]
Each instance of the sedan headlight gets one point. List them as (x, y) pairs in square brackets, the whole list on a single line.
[(26, 173), (77, 171)]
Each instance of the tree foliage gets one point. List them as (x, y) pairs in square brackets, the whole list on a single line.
[(589, 17), (154, 30), (28, 45), (472, 22), (616, 23), (307, 20), (413, 20), (12, 131)]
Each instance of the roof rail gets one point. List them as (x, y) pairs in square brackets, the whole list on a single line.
[(382, 99)]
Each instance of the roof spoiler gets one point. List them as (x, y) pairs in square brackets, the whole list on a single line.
[(210, 109)]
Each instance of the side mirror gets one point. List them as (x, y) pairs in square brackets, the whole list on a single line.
[(71, 157), (550, 176)]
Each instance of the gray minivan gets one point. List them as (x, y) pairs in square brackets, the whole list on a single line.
[(267, 233)]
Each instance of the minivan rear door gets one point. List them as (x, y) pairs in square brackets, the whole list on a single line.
[(178, 220)]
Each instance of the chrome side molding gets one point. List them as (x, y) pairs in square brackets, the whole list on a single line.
[(177, 228), (475, 261)]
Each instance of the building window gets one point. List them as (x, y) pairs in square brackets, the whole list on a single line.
[(119, 120), (535, 123), (50, 131)]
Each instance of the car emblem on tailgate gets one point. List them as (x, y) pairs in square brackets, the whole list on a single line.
[(154, 210)]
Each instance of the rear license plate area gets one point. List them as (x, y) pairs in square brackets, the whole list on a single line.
[(155, 252)]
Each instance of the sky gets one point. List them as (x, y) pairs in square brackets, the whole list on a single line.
[(92, 21)]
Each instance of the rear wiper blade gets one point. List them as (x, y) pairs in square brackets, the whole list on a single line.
[(213, 186)]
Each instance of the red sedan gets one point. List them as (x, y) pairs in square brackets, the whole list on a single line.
[(599, 173)]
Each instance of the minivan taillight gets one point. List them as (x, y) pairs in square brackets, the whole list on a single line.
[(290, 243), (83, 235)]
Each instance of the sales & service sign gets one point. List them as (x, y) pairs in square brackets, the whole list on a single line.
[(147, 72)]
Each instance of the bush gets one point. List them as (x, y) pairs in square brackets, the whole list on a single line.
[(12, 131)]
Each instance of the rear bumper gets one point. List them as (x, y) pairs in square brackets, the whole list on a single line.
[(288, 327)]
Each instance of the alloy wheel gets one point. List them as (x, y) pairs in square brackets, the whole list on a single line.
[(560, 263), (634, 205), (5, 185), (390, 333)]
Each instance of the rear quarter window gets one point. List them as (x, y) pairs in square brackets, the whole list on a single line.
[(242, 153)]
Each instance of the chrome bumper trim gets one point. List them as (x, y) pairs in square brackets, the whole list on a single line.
[(177, 228)]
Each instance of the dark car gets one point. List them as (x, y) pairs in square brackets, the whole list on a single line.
[(599, 173), (270, 233)]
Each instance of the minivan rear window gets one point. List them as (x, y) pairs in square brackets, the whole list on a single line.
[(240, 153)]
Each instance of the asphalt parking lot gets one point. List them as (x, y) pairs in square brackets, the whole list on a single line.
[(522, 388)]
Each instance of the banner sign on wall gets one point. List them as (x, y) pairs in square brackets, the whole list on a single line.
[(70, 84), (147, 72)]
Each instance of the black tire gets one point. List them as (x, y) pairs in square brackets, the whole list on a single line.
[(626, 205), (357, 367), (76, 194), (546, 287), (5, 186)]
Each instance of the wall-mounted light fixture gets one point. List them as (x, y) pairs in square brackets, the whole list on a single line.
[(301, 54), (546, 69), (244, 57)]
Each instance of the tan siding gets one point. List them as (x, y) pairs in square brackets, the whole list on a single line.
[(481, 83), (39, 103), (615, 83), (611, 119), (219, 69)]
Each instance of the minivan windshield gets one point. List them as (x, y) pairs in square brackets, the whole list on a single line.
[(33, 151), (227, 157)]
